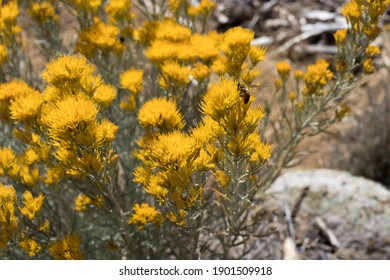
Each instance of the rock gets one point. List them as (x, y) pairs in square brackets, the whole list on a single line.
[(355, 209)]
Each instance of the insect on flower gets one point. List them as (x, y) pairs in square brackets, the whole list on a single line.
[(244, 92)]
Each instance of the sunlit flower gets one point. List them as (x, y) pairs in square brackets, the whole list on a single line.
[(283, 68), (32, 205), (204, 47), (68, 72), (316, 77), (372, 50), (368, 66), (106, 132), (104, 95), (222, 178), (162, 114), (30, 246), (145, 214), (72, 117), (67, 248), (3, 55), (86, 5), (340, 36), (119, 10), (42, 12), (352, 11), (200, 72), (12, 90), (81, 202), (100, 36), (26, 107), (256, 54), (174, 75), (205, 7), (132, 80)]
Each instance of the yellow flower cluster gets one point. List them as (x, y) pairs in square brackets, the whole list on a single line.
[(32, 205), (145, 214), (132, 80), (99, 37), (30, 246), (70, 116), (42, 12), (9, 30), (160, 115), (67, 248), (3, 55), (119, 11), (86, 5), (9, 222), (317, 77), (205, 8)]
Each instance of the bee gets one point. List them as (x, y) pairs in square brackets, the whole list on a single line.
[(244, 93)]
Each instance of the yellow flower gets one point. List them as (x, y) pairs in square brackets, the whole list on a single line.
[(222, 178), (67, 248), (207, 130), (128, 105), (283, 68), (372, 50), (368, 66), (70, 118), (174, 5), (146, 34), (248, 75), (222, 102), (81, 203), (26, 107), (32, 205), (3, 55), (29, 176), (104, 95), (106, 132), (53, 175), (9, 222), (86, 5), (100, 36), (205, 7), (161, 114), (42, 12), (30, 246), (169, 30), (352, 11), (256, 54), (236, 46), (200, 72), (177, 217), (7, 159), (220, 66), (261, 151), (119, 10), (9, 13), (340, 36), (204, 47), (132, 80), (317, 76), (377, 8), (45, 227), (298, 74), (145, 214), (174, 75), (68, 72), (372, 31), (9, 92)]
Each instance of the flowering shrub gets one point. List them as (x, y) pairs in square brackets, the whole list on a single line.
[(143, 140)]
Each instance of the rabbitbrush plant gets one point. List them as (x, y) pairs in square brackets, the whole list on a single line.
[(142, 139)]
